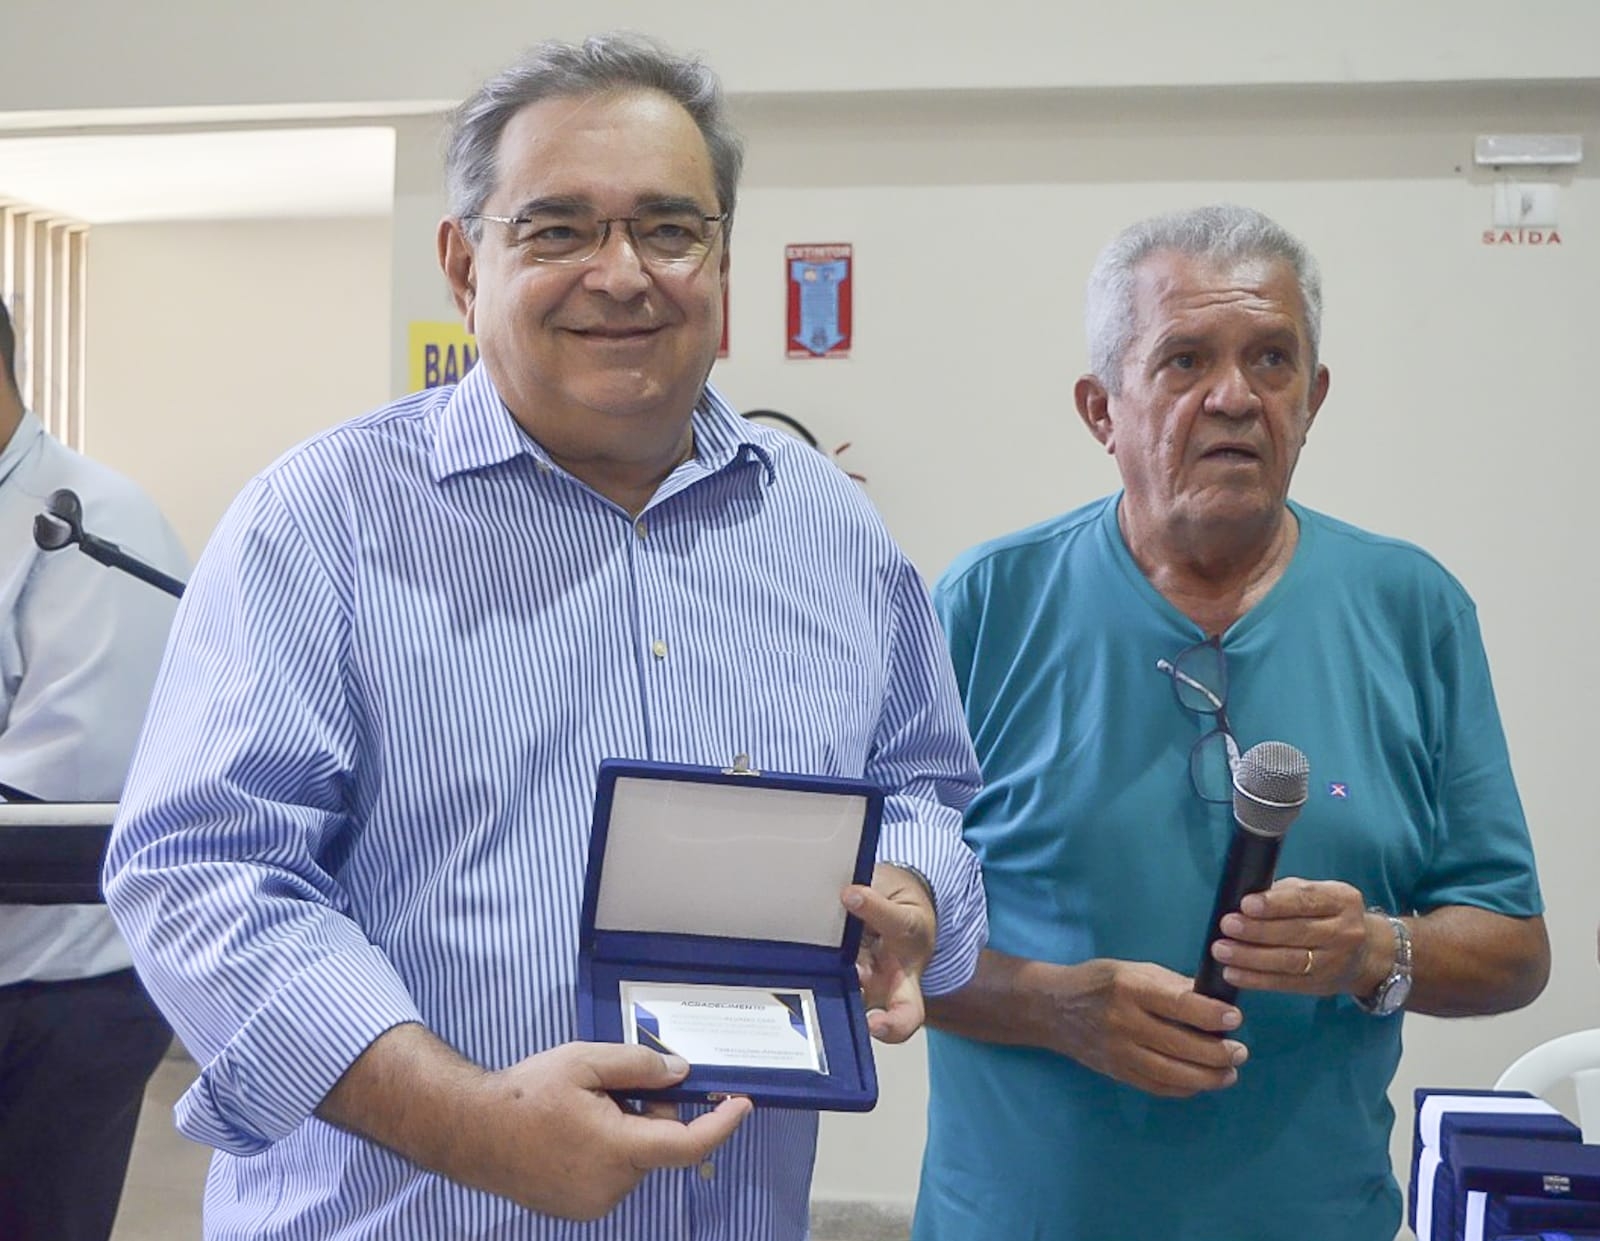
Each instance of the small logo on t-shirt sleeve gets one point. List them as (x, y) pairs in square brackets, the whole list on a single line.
[(1339, 789)]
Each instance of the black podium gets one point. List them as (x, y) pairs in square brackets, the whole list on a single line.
[(51, 852)]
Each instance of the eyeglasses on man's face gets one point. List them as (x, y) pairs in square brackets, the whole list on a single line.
[(1200, 680), (660, 236)]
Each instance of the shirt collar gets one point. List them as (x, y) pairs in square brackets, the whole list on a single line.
[(23, 441), (475, 430), (722, 437)]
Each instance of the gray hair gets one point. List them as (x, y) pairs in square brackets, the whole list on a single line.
[(1223, 232), (556, 70)]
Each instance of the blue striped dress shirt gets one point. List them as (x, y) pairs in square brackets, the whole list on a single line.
[(364, 790)]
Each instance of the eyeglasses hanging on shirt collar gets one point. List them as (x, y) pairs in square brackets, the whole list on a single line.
[(1200, 680)]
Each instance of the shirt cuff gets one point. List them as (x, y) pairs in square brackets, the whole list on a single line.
[(952, 874), (277, 1070)]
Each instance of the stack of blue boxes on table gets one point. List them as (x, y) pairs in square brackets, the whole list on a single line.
[(1500, 1165)]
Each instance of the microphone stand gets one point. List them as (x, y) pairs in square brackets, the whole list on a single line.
[(61, 524), (58, 526)]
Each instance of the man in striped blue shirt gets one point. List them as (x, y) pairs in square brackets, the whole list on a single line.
[(351, 853)]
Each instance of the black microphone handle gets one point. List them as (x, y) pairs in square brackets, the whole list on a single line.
[(108, 553), (1249, 867)]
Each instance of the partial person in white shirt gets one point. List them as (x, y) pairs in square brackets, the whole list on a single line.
[(79, 648)]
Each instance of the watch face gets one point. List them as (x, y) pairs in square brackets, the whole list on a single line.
[(1394, 995)]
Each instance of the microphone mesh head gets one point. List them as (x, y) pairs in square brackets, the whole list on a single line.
[(1269, 787)]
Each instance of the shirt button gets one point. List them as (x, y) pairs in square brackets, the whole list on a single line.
[(707, 1170), (541, 465), (658, 648), (639, 528)]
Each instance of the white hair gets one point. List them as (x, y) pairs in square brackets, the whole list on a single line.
[(1223, 232)]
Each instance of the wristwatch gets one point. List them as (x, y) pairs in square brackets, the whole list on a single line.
[(1393, 991)]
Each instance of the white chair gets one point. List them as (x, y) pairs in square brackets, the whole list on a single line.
[(1572, 1055)]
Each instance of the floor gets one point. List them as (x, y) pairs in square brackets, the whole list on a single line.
[(161, 1200)]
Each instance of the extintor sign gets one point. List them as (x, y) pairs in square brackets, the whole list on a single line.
[(820, 287)]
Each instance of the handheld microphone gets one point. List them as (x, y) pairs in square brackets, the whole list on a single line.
[(61, 524), (1270, 784)]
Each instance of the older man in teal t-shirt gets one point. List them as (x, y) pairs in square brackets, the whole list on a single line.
[(1108, 660)]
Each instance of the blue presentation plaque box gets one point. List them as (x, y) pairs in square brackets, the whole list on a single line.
[(1453, 1132), (712, 928)]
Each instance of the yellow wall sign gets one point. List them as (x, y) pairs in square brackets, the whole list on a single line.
[(441, 353)]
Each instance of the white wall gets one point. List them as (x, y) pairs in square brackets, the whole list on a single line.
[(420, 291), (209, 52), (218, 345)]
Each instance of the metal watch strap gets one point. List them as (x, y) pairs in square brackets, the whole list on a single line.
[(1384, 1000)]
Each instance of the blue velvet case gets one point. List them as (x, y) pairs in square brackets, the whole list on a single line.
[(727, 877), (1493, 1171), (1515, 1218), (1443, 1116)]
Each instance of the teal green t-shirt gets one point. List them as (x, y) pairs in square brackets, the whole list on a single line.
[(1365, 655)]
